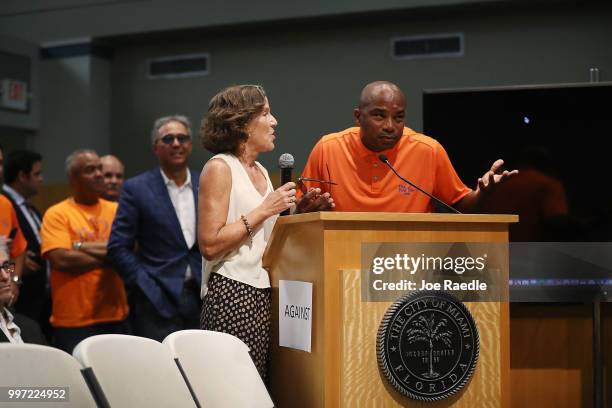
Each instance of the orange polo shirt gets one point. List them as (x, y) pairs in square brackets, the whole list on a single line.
[(86, 298), (8, 221), (366, 184)]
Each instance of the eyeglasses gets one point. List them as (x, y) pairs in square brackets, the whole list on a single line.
[(302, 186), (8, 266), (169, 138), (301, 179)]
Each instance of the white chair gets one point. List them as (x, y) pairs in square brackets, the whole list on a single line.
[(219, 369), (134, 371), (32, 365)]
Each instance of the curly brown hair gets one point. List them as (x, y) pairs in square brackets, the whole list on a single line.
[(223, 128)]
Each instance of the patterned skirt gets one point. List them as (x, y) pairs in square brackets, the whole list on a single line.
[(240, 310)]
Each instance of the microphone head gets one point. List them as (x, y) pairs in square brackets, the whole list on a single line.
[(383, 158), (286, 161)]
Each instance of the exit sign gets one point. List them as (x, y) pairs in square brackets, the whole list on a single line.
[(14, 95)]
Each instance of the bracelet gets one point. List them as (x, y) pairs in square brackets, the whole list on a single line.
[(247, 226)]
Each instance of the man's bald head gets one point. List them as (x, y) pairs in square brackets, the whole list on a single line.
[(380, 114), (111, 160), (113, 171), (377, 90)]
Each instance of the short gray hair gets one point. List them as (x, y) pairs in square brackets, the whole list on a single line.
[(72, 157), (184, 120)]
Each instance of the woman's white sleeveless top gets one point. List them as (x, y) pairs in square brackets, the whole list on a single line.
[(243, 264)]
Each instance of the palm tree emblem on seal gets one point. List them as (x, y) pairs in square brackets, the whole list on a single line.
[(427, 330), (440, 321)]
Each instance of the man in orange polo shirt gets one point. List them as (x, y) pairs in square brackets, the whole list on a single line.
[(88, 296), (350, 158)]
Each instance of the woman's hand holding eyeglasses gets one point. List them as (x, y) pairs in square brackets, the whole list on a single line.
[(313, 201)]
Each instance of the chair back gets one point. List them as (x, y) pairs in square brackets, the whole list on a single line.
[(43, 367), (219, 368), (134, 371)]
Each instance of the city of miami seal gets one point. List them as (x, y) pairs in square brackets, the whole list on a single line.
[(427, 345)]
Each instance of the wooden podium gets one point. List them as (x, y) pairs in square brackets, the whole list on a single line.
[(341, 371)]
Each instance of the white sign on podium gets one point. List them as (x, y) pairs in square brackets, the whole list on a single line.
[(295, 314)]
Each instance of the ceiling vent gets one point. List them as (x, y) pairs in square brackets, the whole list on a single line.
[(427, 46), (179, 66)]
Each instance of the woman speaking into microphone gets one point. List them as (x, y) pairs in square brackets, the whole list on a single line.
[(237, 209)]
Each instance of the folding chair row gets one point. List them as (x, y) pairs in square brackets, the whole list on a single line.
[(191, 368)]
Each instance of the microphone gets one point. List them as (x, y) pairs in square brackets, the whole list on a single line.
[(383, 158), (285, 164)]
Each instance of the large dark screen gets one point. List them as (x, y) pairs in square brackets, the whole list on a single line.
[(571, 123)]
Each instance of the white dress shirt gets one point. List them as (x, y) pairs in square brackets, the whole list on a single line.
[(184, 206), (7, 324)]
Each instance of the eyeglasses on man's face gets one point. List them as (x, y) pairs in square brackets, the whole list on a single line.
[(170, 138)]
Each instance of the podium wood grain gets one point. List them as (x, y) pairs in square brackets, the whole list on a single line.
[(362, 384), (324, 248)]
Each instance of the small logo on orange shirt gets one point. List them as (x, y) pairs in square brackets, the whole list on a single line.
[(99, 230), (405, 190)]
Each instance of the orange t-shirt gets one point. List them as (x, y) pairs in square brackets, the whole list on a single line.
[(8, 221), (366, 184), (86, 298)]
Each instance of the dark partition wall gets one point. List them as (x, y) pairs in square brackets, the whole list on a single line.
[(564, 129)]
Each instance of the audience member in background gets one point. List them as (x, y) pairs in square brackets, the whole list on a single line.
[(88, 296), (12, 241), (536, 195), (351, 159), (23, 178), (153, 241), (238, 208), (14, 328), (112, 171)]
